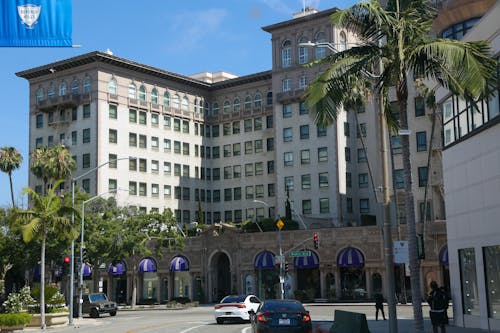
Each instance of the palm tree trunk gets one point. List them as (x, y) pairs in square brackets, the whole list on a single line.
[(11, 190), (42, 283)]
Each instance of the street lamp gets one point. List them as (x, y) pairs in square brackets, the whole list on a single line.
[(82, 237), (263, 203), (387, 236), (72, 266)]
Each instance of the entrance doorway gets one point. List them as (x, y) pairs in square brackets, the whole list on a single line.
[(221, 280)]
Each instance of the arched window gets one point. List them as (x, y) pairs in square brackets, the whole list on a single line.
[(257, 101), (248, 103), (112, 87), (195, 105), (286, 54), (75, 87), (132, 91), (176, 101), (269, 98), (154, 96), (86, 85), (207, 108), (185, 104), (226, 107), (236, 105), (342, 41), (320, 52), (39, 95), (62, 88), (50, 90), (166, 99), (303, 51), (201, 106), (215, 108), (142, 93)]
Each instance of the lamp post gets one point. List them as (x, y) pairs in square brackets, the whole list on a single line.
[(387, 236), (263, 203), (72, 265)]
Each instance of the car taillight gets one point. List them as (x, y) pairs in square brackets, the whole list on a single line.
[(262, 317), (241, 306), (306, 318), (218, 307)]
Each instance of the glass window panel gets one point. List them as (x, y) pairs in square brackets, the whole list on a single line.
[(470, 297)]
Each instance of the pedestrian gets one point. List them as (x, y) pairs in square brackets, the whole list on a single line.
[(379, 305), (438, 301)]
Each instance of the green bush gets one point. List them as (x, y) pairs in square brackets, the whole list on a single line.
[(49, 292), (14, 319)]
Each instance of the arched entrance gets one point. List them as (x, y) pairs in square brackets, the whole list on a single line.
[(443, 261), (221, 277), (267, 275), (308, 281), (118, 282), (179, 268), (351, 262)]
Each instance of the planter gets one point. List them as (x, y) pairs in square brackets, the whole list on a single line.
[(51, 319), (11, 328), (10, 322)]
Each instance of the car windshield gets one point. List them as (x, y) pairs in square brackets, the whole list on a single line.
[(279, 306), (233, 299), (97, 297)]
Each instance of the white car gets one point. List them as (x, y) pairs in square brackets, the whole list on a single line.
[(236, 307)]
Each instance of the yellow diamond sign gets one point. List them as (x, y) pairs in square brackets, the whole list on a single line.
[(280, 224)]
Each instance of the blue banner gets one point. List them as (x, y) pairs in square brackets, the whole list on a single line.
[(36, 23)]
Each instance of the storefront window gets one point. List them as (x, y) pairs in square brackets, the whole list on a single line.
[(149, 286), (468, 277), (492, 274)]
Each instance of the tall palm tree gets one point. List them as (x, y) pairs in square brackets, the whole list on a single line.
[(52, 163), (47, 217), (10, 160), (398, 37)]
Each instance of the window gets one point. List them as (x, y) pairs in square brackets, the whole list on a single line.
[(142, 93), (113, 136), (248, 103), (132, 188), (248, 147), (347, 152), (86, 135), (257, 123), (303, 51), (269, 121), (166, 99), (132, 91), (143, 191), (167, 168), (132, 116), (215, 152), (39, 121), (270, 190), (50, 91), (269, 98), (363, 180), (342, 41), (322, 154), (467, 263), (185, 104), (303, 108), (177, 170), (419, 106), (215, 174), (167, 144), (177, 193), (286, 85), (167, 191), (226, 129), (143, 167), (86, 111), (421, 141), (155, 166), (361, 130), (228, 172), (154, 96), (287, 110), (397, 148), (492, 278), (155, 119), (177, 124), (270, 144), (177, 147), (399, 179), (113, 111), (86, 85), (155, 190), (286, 54), (113, 163), (258, 146), (143, 141), (348, 179), (305, 156), (86, 161), (288, 159), (236, 105), (259, 191), (304, 132), (349, 205), (215, 131), (320, 52), (259, 168), (175, 101), (142, 117), (306, 181), (228, 194), (75, 87), (185, 126), (289, 183), (248, 169), (236, 149), (249, 192), (324, 205), (215, 108), (237, 171), (306, 207), (185, 171), (422, 176), (236, 127), (321, 131), (227, 150), (74, 114), (155, 142), (323, 179), (225, 108), (237, 193), (287, 134), (361, 155), (248, 125), (302, 82), (132, 164), (270, 167), (364, 206)]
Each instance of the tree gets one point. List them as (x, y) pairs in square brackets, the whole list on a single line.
[(47, 217), (10, 160), (399, 38), (51, 164)]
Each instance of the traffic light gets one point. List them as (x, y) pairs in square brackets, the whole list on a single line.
[(66, 264), (84, 255), (316, 240), (286, 268)]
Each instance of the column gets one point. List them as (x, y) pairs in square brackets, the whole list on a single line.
[(338, 289), (369, 286)]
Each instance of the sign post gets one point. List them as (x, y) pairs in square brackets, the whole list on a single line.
[(280, 226)]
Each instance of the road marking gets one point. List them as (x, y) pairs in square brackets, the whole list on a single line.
[(245, 329), (192, 328)]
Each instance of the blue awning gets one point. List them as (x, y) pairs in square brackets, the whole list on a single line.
[(87, 270), (179, 264), (117, 269), (147, 265), (307, 262), (443, 256), (350, 257), (264, 260)]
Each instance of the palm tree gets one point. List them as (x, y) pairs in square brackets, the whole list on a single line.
[(48, 216), (53, 163), (10, 160), (399, 38)]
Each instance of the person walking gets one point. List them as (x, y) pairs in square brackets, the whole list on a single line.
[(438, 301), (379, 305)]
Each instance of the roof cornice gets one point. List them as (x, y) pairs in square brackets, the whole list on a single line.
[(298, 20)]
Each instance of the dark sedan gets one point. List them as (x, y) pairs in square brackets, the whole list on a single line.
[(281, 316)]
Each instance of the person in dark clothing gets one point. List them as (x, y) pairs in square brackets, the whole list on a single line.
[(379, 305), (438, 301)]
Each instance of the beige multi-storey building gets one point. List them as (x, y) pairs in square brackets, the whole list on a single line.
[(241, 146)]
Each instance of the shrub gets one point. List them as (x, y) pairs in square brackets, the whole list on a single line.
[(49, 292), (14, 319)]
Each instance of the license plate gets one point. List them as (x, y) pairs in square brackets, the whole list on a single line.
[(284, 322), (228, 313)]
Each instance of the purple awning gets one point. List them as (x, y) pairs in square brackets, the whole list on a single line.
[(179, 264), (307, 262), (147, 265), (117, 269), (58, 271), (264, 260), (350, 257), (87, 270), (443, 255)]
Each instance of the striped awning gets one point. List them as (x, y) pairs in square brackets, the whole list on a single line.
[(443, 255), (264, 260), (179, 264), (350, 257), (147, 265), (87, 270), (307, 262), (117, 269), (58, 272)]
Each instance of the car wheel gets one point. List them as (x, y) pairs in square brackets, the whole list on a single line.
[(112, 313), (94, 313), (220, 321)]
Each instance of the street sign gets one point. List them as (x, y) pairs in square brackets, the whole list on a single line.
[(401, 255), (300, 254), (280, 224)]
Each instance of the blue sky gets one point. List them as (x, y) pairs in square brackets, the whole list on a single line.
[(184, 37)]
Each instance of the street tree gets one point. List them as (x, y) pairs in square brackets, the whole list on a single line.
[(48, 216), (10, 160), (398, 37)]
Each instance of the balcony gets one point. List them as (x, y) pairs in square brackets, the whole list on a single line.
[(59, 102), (290, 96)]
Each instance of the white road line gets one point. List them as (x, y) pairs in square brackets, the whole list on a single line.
[(191, 328), (245, 329)]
